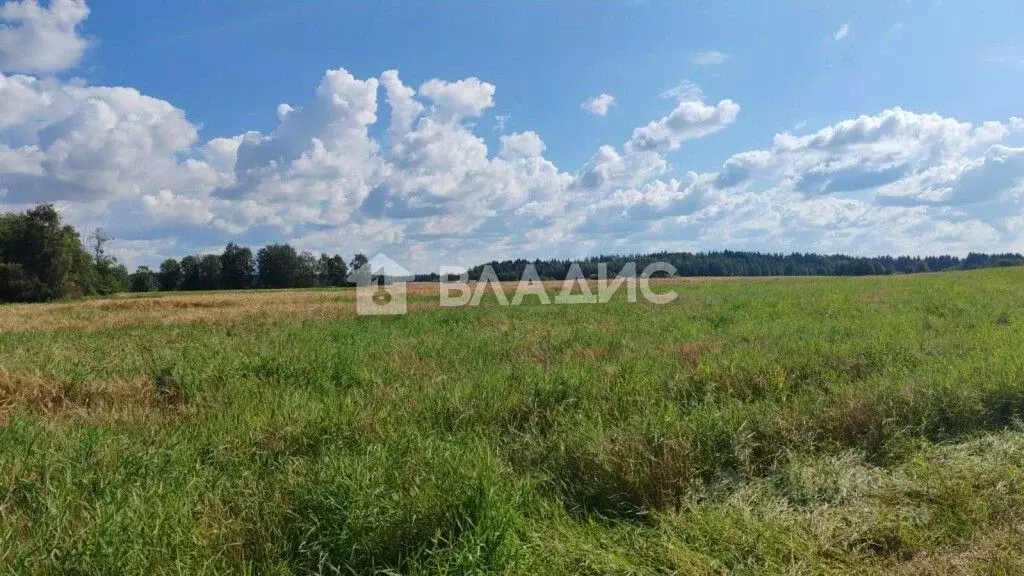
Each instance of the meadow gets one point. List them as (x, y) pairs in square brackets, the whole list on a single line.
[(864, 425)]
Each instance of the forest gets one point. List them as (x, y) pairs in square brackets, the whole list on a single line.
[(733, 263)]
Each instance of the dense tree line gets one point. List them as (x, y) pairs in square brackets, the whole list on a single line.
[(43, 259), (731, 263), (273, 266)]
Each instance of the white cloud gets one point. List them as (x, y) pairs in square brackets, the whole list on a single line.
[(862, 153), (842, 32), (74, 142), (688, 121), (461, 99), (404, 108), (36, 38), (525, 145), (708, 58), (427, 188), (320, 163), (431, 188), (685, 90), (500, 121), (598, 105), (168, 206)]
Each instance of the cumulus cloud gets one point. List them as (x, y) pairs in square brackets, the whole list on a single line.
[(689, 120), (861, 153), (36, 38), (404, 107), (598, 105), (708, 58), (428, 189), (525, 144), (73, 142), (460, 99)]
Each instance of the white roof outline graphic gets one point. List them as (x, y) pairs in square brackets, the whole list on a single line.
[(381, 265)]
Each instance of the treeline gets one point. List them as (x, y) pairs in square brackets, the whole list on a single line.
[(731, 263), (43, 259), (273, 266)]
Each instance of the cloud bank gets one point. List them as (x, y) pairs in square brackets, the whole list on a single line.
[(428, 189)]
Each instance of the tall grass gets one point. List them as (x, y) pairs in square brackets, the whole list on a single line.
[(854, 425)]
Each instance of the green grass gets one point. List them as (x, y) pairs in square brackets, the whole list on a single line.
[(813, 426)]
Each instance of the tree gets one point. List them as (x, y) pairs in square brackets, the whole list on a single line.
[(332, 271), (112, 277), (98, 240), (358, 261), (191, 273), (209, 271), (82, 275), (306, 271), (170, 275), (237, 267), (277, 266), (33, 255), (143, 280)]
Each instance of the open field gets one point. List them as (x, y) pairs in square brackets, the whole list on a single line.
[(811, 426)]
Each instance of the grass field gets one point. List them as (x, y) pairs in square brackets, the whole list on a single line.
[(839, 425)]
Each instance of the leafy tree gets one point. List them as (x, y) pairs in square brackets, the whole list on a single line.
[(16, 284), (332, 271), (359, 260), (170, 274), (143, 280), (277, 266), (83, 277), (191, 273), (237, 267), (33, 255), (112, 277), (209, 271), (306, 272)]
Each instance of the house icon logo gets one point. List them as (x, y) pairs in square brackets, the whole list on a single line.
[(380, 287)]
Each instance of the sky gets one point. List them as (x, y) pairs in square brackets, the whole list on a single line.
[(452, 133)]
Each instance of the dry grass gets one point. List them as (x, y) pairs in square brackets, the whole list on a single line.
[(138, 400), (178, 308), (163, 309), (999, 553)]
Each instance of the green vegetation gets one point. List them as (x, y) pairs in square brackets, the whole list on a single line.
[(43, 259), (796, 426), (733, 263)]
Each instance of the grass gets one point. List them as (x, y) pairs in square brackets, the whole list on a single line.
[(809, 426)]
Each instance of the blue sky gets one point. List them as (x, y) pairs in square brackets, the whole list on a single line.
[(844, 126)]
